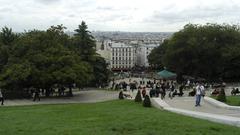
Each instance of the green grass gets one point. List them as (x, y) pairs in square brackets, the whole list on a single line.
[(106, 118), (231, 100)]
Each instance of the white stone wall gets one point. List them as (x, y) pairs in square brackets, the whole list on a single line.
[(123, 56)]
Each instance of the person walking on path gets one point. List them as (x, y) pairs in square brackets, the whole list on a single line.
[(1, 97), (36, 95), (202, 90), (172, 88), (163, 91), (198, 95)]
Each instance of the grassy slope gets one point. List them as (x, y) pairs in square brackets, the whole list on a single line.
[(114, 117), (231, 100)]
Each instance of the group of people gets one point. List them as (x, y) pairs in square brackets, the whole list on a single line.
[(154, 87), (159, 88)]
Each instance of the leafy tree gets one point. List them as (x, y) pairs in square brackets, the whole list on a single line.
[(155, 57), (84, 42), (7, 37), (102, 74), (208, 51)]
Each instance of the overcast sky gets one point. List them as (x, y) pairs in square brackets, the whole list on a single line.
[(117, 15)]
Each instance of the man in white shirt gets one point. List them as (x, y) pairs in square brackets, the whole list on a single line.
[(202, 90), (198, 94)]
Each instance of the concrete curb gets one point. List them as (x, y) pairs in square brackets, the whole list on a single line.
[(221, 104), (156, 102)]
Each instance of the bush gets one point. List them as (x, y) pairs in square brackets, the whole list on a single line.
[(138, 97), (221, 96), (120, 96), (147, 101)]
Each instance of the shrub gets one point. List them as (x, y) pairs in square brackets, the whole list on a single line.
[(147, 101), (138, 97), (221, 96), (120, 96)]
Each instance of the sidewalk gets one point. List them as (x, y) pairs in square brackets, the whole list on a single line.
[(91, 96), (208, 111)]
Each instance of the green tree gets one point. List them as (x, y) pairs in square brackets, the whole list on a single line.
[(156, 56), (84, 42), (7, 37), (208, 51)]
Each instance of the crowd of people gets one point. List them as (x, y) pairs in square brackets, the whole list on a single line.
[(160, 88), (153, 88)]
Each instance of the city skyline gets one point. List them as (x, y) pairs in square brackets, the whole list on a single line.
[(116, 15)]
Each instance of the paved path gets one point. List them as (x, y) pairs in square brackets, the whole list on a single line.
[(90, 96), (188, 103)]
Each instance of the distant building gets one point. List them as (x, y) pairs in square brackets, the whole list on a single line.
[(123, 56), (142, 52)]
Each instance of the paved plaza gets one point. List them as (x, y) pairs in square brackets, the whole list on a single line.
[(86, 96)]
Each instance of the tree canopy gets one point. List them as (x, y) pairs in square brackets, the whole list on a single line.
[(46, 59), (209, 51)]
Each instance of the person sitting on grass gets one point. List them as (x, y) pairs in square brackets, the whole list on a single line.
[(215, 92), (234, 91), (144, 92), (192, 93)]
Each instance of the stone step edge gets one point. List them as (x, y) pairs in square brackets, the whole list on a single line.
[(234, 121), (221, 104)]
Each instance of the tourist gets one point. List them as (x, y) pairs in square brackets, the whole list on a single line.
[(163, 90), (202, 90), (181, 90), (198, 95), (172, 87), (144, 92), (1, 97), (36, 95)]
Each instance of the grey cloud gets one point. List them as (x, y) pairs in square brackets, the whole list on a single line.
[(48, 1), (105, 8), (71, 15), (5, 9), (195, 13)]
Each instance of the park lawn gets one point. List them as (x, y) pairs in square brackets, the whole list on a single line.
[(231, 100), (119, 117)]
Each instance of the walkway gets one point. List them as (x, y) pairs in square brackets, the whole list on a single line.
[(188, 103), (89, 96)]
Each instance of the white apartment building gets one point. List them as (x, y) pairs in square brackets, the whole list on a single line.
[(142, 52), (123, 56)]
